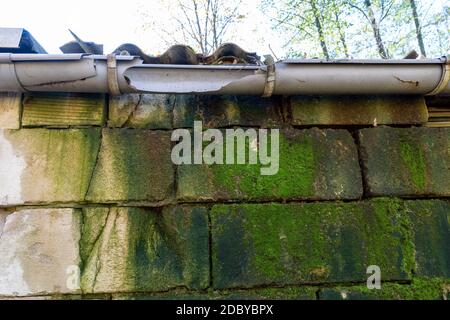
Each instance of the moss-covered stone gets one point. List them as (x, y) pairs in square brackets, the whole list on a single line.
[(63, 109), (358, 110), (178, 294), (133, 165), (406, 161), (313, 164), (226, 111), (143, 250), (10, 107), (46, 166), (289, 293), (262, 244), (418, 289), (146, 111), (431, 226)]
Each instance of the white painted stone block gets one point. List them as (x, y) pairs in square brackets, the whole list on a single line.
[(39, 252)]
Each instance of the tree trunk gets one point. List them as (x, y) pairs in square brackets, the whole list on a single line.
[(319, 28), (376, 30), (337, 19), (341, 35), (418, 28)]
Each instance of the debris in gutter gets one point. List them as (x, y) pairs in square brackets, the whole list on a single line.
[(227, 53), (80, 46), (411, 55)]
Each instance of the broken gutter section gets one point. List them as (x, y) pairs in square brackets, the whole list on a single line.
[(195, 79), (128, 74)]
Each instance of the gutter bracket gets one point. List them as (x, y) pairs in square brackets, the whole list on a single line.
[(445, 78), (270, 78), (113, 84)]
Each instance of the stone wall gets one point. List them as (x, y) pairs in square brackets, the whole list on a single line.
[(91, 205)]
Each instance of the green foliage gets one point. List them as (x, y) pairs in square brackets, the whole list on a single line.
[(357, 28)]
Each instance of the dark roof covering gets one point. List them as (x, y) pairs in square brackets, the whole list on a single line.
[(18, 40), (227, 53)]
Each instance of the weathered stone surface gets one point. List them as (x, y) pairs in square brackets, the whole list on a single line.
[(63, 109), (133, 165), (3, 215), (279, 244), (431, 227), (38, 250), (225, 111), (406, 161), (142, 250), (419, 289), (10, 106), (358, 110), (313, 164), (290, 293), (148, 111), (43, 165), (26, 298)]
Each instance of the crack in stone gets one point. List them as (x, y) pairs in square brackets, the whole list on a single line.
[(132, 113), (104, 234), (94, 246), (362, 165), (1, 232), (210, 249), (80, 240), (94, 168), (8, 214), (172, 113)]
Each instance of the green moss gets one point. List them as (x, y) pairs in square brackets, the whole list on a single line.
[(431, 236), (60, 162), (137, 249), (313, 164), (93, 221), (289, 293), (296, 173), (168, 249), (418, 289), (311, 243), (392, 214), (133, 165), (414, 159), (279, 242), (354, 110)]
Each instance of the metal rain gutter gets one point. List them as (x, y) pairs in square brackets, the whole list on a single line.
[(127, 74)]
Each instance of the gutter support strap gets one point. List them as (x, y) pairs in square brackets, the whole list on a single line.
[(445, 78), (113, 84), (270, 79)]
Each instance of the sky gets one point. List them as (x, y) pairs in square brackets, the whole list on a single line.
[(112, 23)]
